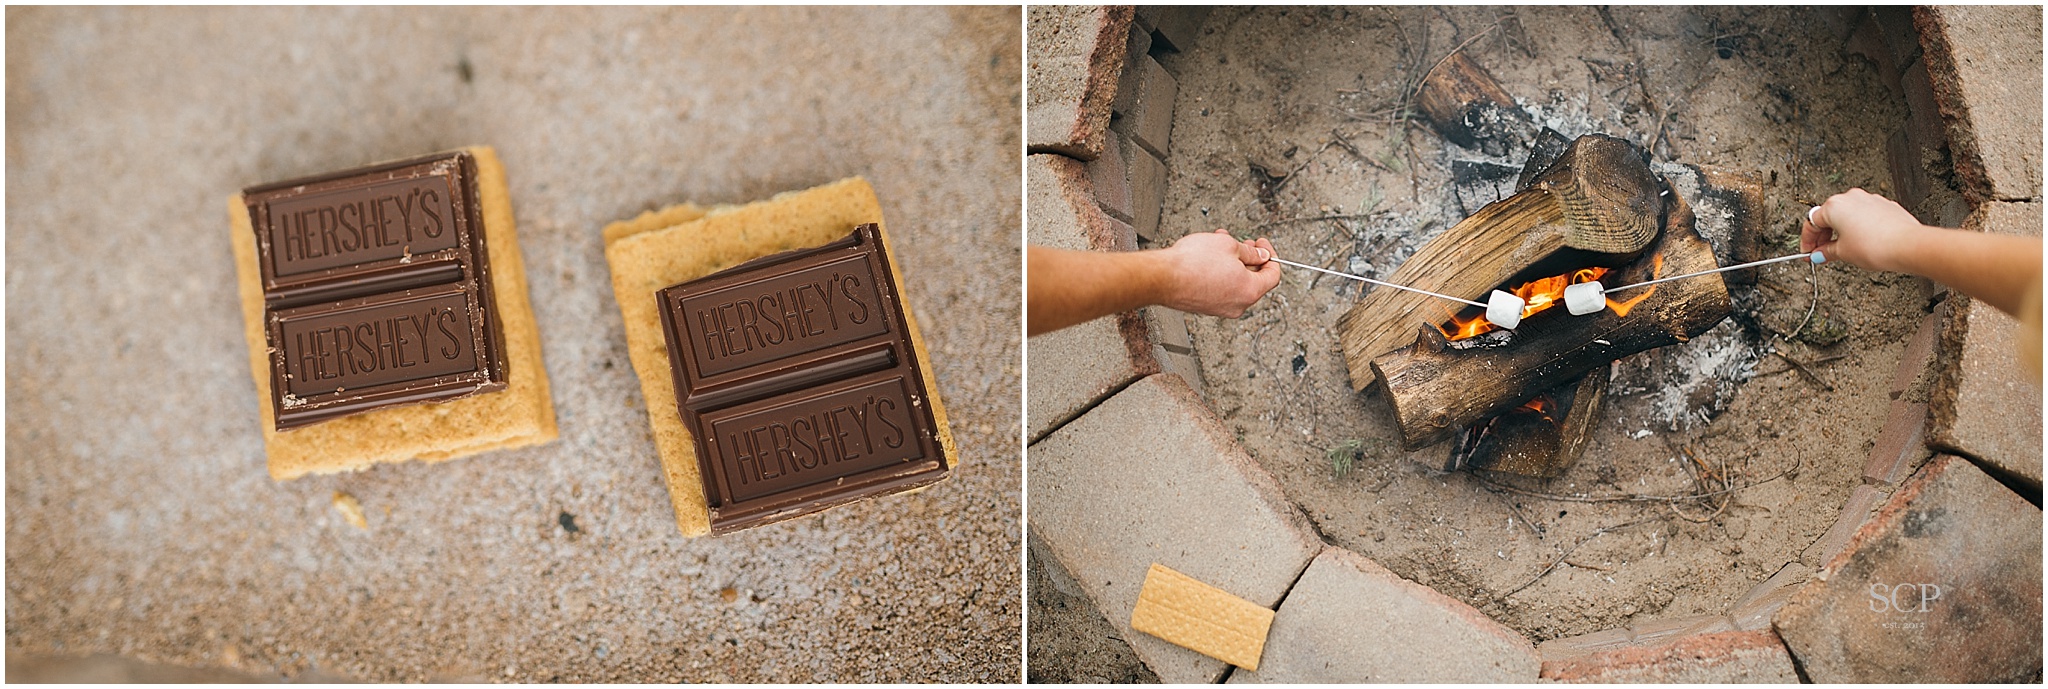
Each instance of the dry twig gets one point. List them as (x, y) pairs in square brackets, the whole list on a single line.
[(1575, 547), (1634, 497)]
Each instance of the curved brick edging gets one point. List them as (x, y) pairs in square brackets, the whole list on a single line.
[(1721, 657)]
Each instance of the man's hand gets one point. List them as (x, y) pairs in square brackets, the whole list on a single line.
[(1214, 274)]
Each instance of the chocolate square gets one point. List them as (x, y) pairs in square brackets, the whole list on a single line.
[(797, 380), (376, 288)]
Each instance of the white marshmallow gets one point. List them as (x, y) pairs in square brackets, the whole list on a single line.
[(1504, 310), (1585, 298)]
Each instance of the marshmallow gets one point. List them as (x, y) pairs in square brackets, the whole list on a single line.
[(1585, 298), (1504, 310), (1817, 258)]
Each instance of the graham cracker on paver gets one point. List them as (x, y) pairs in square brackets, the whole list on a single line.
[(521, 414), (1201, 618), (685, 242)]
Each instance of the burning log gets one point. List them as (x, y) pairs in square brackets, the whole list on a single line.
[(1439, 386), (1541, 438), (1598, 204), (1465, 105)]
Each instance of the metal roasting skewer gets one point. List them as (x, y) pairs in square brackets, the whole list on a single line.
[(1814, 257), (1382, 284)]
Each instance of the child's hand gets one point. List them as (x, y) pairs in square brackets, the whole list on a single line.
[(1859, 227), (1215, 274)]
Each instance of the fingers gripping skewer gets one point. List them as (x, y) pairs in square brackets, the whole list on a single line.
[(1502, 309)]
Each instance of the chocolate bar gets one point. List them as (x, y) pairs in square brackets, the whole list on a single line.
[(375, 288), (796, 378)]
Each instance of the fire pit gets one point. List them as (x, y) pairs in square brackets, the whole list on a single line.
[(1409, 433)]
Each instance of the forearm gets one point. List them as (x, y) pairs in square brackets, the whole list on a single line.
[(1993, 268), (1071, 287)]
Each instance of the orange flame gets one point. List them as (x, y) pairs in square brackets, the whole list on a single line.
[(1622, 307), (1543, 293), (1539, 295), (1540, 404)]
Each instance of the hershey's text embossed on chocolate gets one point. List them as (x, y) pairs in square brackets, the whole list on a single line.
[(783, 316), (380, 220), (380, 343), (806, 441)]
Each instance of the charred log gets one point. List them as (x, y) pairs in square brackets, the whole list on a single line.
[(1540, 440), (1599, 200), (1437, 389), (1465, 105)]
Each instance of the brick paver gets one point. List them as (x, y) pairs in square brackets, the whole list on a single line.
[(1150, 475), (1178, 26), (1351, 620), (1943, 585), (1076, 54), (1150, 118), (1720, 658), (1855, 512)]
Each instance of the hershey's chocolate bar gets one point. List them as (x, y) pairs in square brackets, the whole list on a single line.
[(796, 376), (376, 287)]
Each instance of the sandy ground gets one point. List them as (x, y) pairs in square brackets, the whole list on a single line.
[(1784, 103), (1762, 90), (140, 520)]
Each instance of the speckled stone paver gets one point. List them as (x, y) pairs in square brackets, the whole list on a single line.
[(1150, 475), (1943, 585), (140, 520), (1985, 66), (1076, 54), (1351, 620), (1074, 368), (1984, 405)]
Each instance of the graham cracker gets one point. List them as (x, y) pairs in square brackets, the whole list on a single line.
[(1201, 618), (521, 414), (685, 242)]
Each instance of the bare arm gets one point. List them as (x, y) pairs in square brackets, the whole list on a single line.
[(1873, 232), (1208, 273)]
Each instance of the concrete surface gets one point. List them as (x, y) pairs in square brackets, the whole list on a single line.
[(1984, 405), (1870, 615), (140, 521), (1985, 66), (1075, 368), (1350, 620), (1151, 476), (1076, 54)]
